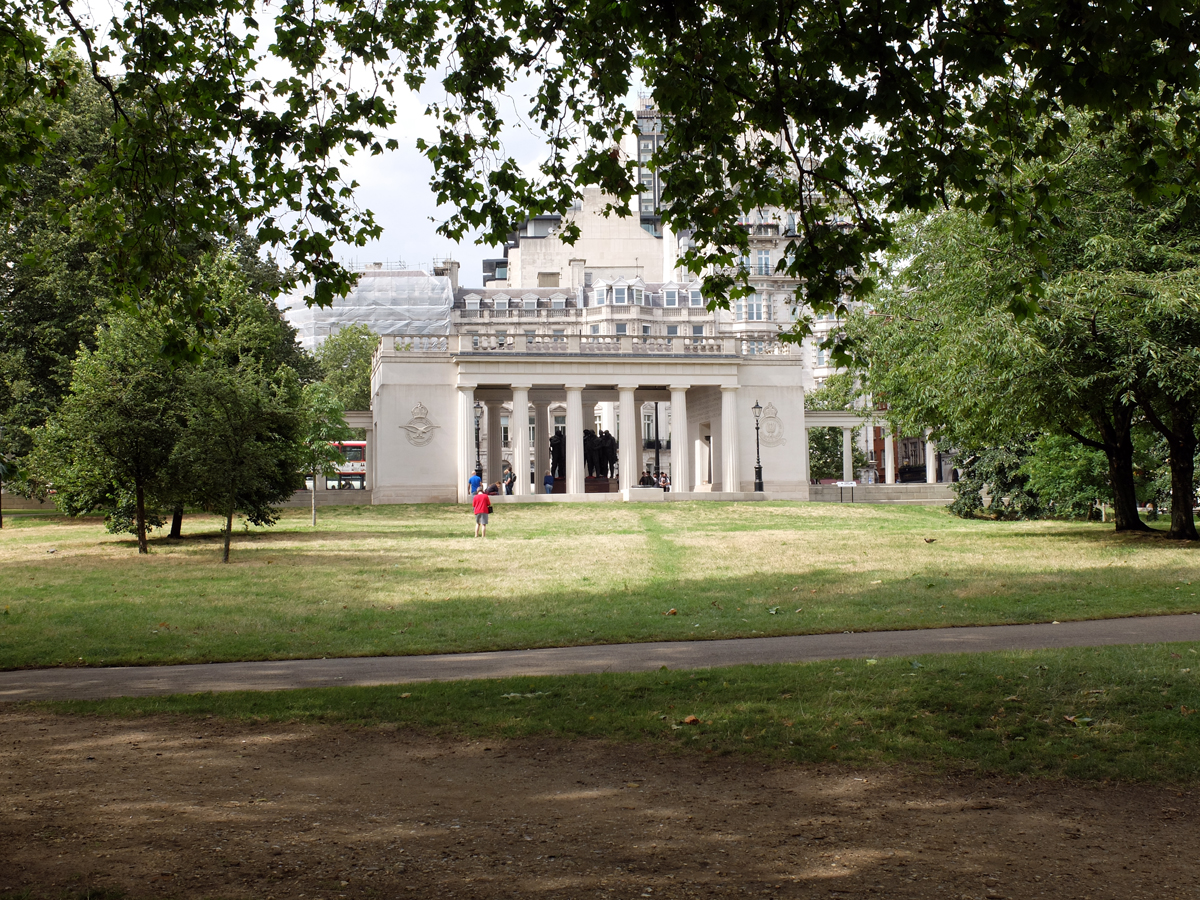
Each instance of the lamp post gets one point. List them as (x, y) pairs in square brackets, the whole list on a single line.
[(758, 482), (478, 458)]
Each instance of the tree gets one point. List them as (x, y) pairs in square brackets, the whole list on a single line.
[(241, 444), (845, 110), (112, 438), (345, 359), (323, 427), (53, 289), (1113, 334)]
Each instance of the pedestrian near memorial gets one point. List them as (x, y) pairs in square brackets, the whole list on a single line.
[(548, 482), (482, 504), (474, 482)]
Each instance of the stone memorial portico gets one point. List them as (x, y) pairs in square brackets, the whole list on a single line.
[(424, 415)]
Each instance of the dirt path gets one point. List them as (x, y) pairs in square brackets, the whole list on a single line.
[(166, 808)]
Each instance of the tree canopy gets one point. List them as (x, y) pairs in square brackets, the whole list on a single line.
[(227, 114), (1113, 345)]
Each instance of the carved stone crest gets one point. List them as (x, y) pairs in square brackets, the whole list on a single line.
[(771, 427), (419, 429)]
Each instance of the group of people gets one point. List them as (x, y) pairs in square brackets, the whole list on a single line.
[(660, 480)]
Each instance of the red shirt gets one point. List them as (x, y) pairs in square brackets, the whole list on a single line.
[(482, 503)]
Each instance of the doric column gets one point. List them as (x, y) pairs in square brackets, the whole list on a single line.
[(495, 445), (730, 473), (466, 440), (889, 456), (575, 473), (541, 441), (680, 476), (629, 453), (847, 454), (931, 472), (518, 432)]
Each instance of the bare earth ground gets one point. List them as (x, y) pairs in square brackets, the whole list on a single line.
[(187, 808)]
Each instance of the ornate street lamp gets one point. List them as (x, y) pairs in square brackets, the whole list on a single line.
[(758, 482), (478, 457)]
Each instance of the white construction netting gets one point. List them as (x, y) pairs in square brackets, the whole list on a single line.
[(408, 303)]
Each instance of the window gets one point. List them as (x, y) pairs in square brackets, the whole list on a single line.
[(595, 329), (744, 262), (500, 303), (647, 206), (645, 330), (504, 430), (560, 424), (820, 357), (353, 454), (472, 303), (670, 298), (753, 309), (532, 431), (648, 427), (599, 296), (697, 331), (672, 330), (622, 328), (619, 296), (638, 296), (764, 262), (531, 303), (697, 300), (646, 145), (587, 279), (559, 334), (558, 302), (530, 333)]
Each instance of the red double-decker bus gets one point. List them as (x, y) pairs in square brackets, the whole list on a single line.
[(352, 474)]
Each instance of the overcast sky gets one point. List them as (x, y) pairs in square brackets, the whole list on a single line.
[(395, 186)]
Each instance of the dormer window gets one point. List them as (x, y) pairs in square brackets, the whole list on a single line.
[(670, 298), (619, 296), (500, 302), (696, 298), (530, 302), (558, 301), (638, 296), (472, 303)]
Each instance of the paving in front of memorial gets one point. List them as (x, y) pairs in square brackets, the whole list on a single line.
[(144, 681)]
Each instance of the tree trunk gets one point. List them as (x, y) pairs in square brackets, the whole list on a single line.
[(177, 521), (143, 546), (314, 499), (228, 535), (1183, 485), (1118, 447)]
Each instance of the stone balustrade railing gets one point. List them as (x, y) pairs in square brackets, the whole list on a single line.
[(590, 345)]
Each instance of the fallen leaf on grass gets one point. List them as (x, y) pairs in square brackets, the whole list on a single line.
[(774, 610), (671, 612), (691, 720), (1013, 697), (872, 662)]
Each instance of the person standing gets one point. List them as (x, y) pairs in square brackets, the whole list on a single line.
[(510, 478), (548, 482), (482, 504), (474, 482)]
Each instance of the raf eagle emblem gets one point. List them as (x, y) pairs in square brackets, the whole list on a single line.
[(419, 429)]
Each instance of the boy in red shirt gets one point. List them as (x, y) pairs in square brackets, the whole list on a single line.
[(482, 504)]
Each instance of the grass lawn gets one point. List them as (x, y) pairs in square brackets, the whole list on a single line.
[(412, 579), (1124, 713)]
